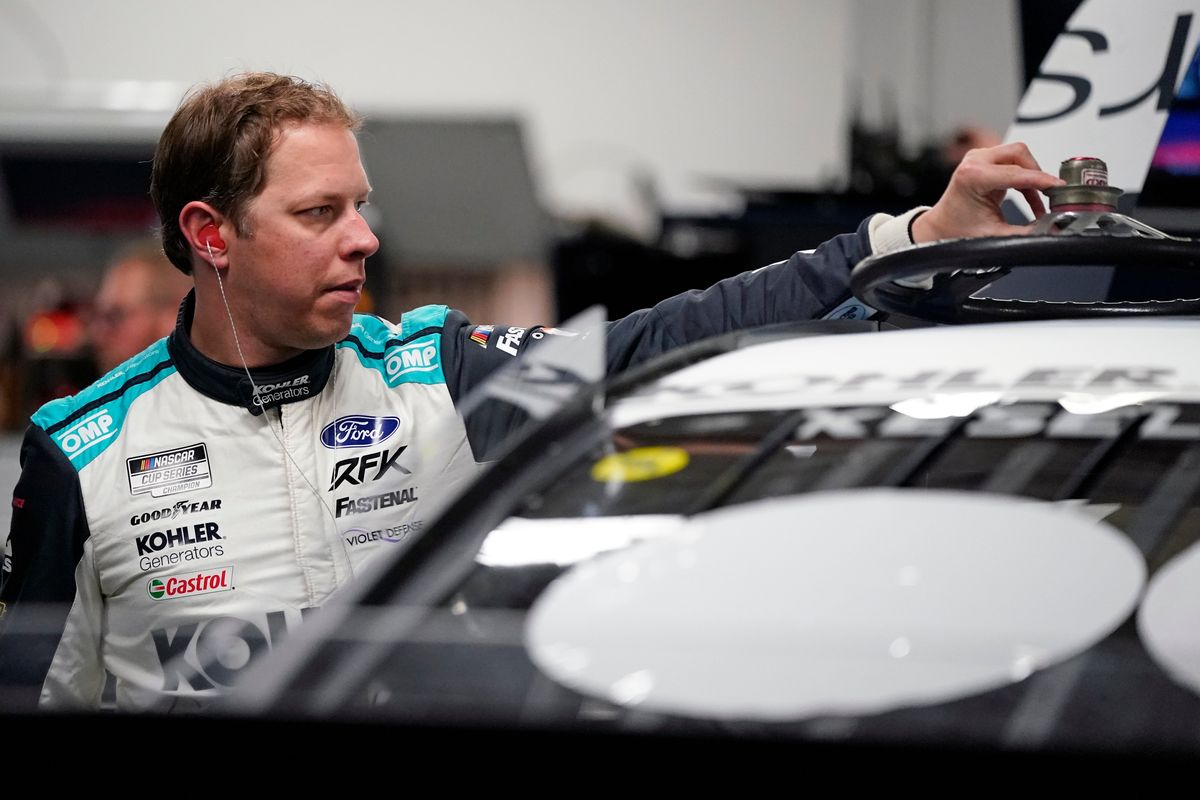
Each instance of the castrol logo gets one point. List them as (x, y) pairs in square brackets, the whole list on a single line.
[(189, 584)]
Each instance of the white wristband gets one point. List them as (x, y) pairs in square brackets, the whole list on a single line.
[(889, 234)]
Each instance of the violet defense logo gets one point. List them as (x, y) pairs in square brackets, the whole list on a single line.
[(358, 430)]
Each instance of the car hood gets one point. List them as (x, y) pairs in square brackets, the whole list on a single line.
[(1087, 366)]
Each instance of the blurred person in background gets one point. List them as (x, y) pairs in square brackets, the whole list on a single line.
[(136, 305)]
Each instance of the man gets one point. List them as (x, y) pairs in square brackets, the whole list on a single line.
[(136, 303), (190, 507)]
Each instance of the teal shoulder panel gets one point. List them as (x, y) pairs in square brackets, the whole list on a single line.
[(397, 352), (370, 333), (85, 424), (421, 318)]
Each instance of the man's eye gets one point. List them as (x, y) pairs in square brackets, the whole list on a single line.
[(359, 205), (317, 211)]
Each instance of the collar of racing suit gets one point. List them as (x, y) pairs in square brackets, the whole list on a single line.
[(298, 378)]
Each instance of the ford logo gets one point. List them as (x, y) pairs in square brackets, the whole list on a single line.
[(358, 430)]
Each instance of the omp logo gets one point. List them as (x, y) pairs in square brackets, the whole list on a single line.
[(86, 433), (214, 580), (416, 357), (358, 431)]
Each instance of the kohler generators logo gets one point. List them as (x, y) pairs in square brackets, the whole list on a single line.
[(270, 394)]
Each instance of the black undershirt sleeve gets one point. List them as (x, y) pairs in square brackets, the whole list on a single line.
[(37, 586)]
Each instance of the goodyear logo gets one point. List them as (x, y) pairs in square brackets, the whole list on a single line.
[(87, 433), (191, 584)]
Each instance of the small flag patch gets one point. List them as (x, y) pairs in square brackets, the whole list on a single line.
[(481, 334)]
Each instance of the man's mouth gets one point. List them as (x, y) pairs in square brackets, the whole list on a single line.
[(350, 291)]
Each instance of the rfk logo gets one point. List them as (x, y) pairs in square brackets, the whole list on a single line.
[(355, 470)]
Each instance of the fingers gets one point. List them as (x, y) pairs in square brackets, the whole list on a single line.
[(1035, 202), (970, 205), (1011, 153), (989, 177), (1008, 166)]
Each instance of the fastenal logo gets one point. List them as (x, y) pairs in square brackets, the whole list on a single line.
[(358, 430), (87, 433), (511, 340), (191, 584)]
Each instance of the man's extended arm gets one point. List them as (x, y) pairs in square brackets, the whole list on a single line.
[(804, 287)]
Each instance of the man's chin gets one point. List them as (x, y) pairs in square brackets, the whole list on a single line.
[(330, 331)]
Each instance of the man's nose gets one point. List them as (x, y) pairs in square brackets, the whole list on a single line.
[(361, 240)]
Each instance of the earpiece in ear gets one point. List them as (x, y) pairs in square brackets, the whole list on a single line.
[(211, 237)]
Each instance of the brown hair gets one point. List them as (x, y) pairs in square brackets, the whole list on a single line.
[(215, 147)]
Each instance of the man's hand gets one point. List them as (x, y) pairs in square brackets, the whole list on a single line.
[(970, 206)]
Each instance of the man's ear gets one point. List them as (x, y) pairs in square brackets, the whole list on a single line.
[(202, 225)]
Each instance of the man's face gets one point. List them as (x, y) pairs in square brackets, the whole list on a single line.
[(297, 274)]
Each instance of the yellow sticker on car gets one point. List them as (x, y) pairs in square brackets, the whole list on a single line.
[(640, 464)]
